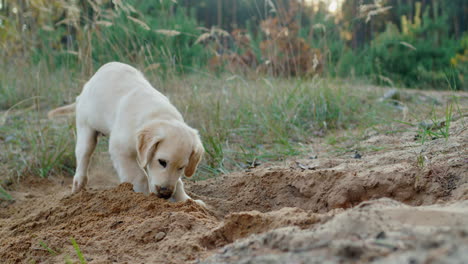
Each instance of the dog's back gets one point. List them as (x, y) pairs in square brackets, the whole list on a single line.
[(119, 93)]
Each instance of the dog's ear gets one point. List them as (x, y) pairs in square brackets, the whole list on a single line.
[(195, 156), (148, 139)]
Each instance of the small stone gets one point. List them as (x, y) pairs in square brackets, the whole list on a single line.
[(159, 236), (381, 235), (357, 155)]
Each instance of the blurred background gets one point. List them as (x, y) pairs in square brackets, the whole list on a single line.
[(421, 44)]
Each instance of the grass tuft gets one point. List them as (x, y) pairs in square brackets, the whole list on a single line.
[(241, 121), (78, 252), (4, 195), (50, 250)]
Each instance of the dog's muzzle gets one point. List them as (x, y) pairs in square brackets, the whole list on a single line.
[(164, 192)]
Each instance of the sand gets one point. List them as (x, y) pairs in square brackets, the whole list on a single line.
[(383, 207)]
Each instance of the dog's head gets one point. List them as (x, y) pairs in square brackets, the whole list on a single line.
[(166, 150)]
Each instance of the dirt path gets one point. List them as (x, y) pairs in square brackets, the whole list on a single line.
[(309, 210)]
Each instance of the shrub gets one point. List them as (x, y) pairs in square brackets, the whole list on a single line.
[(419, 55)]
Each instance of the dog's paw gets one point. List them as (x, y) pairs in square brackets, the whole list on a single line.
[(78, 185), (200, 202)]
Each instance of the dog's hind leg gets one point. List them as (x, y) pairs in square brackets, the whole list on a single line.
[(85, 145)]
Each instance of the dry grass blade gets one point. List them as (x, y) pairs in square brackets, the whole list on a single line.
[(376, 12), (131, 8), (168, 32), (104, 23), (121, 6), (406, 44), (272, 6), (320, 26), (387, 80), (203, 37), (152, 67), (203, 29), (7, 112), (94, 6), (139, 22), (47, 28), (72, 52), (118, 4), (215, 30), (370, 10)]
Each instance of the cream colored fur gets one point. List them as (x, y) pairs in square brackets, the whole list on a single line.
[(150, 144)]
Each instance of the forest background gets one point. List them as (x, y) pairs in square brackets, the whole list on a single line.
[(420, 44)]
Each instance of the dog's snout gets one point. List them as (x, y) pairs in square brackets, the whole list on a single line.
[(164, 192)]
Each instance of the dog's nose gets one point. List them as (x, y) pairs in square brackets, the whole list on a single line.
[(164, 192)]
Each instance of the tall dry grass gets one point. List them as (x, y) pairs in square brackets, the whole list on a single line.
[(241, 121)]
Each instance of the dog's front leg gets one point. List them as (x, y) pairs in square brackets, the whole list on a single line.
[(181, 196), (128, 170)]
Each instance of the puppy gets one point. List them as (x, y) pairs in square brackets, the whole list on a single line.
[(150, 144)]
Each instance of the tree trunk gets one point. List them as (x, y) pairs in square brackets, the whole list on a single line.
[(234, 14), (220, 10)]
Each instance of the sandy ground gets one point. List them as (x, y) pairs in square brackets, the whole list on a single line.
[(384, 207)]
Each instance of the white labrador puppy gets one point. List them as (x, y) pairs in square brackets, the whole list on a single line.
[(150, 144)]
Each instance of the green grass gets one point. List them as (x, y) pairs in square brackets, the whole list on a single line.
[(24, 84), (50, 250), (434, 127), (241, 121), (35, 146), (76, 247), (78, 252), (4, 195), (266, 119), (437, 129)]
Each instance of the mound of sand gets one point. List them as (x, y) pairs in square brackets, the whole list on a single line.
[(312, 210), (109, 225)]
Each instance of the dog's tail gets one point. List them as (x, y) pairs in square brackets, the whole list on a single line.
[(63, 110)]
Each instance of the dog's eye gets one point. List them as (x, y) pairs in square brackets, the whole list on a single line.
[(181, 168), (163, 163)]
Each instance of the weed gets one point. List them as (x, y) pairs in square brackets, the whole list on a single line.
[(421, 160), (78, 251), (50, 250), (35, 146), (434, 129), (4, 195), (52, 148)]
